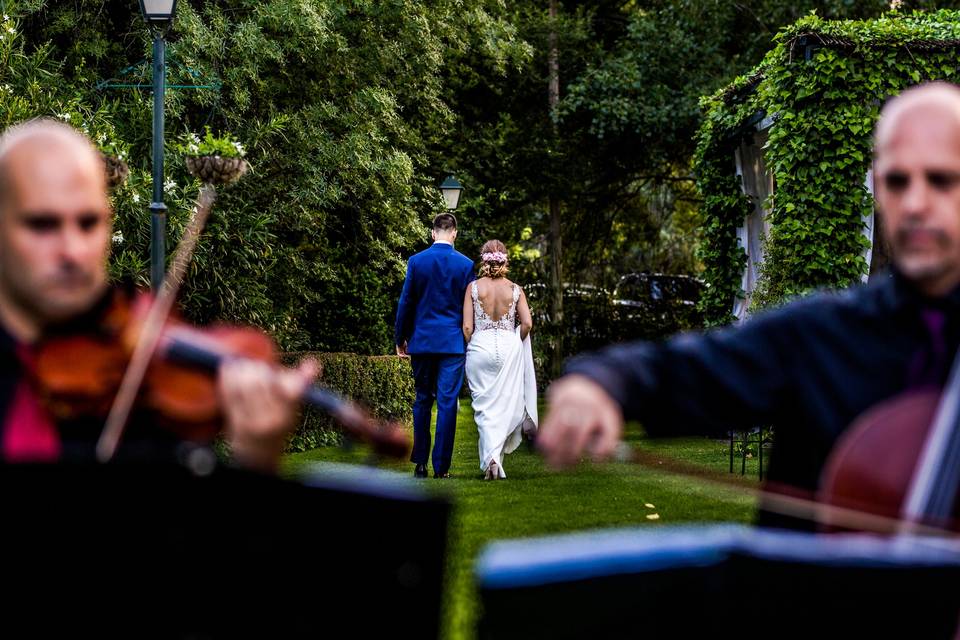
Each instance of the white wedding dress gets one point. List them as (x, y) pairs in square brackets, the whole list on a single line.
[(502, 382)]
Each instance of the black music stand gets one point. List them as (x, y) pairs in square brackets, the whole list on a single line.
[(688, 582), (159, 551)]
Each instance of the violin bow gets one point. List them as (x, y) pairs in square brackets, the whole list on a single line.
[(804, 508), (152, 329)]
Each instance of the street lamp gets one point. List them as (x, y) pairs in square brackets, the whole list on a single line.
[(451, 190), (158, 11), (159, 15)]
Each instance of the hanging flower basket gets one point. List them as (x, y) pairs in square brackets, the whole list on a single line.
[(214, 159), (117, 170), (216, 169)]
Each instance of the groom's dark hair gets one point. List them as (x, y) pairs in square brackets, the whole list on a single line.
[(445, 222)]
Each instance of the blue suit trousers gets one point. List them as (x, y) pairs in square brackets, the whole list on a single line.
[(436, 377)]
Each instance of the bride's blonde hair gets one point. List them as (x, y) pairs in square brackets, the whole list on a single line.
[(493, 257)]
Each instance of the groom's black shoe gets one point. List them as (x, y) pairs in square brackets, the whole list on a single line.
[(420, 471)]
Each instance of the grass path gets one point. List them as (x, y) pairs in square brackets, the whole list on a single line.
[(536, 501)]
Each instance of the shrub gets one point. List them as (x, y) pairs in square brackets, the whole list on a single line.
[(381, 384)]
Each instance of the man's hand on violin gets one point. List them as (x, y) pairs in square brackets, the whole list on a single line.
[(261, 404), (582, 418)]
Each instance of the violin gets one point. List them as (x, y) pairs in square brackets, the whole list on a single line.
[(79, 375)]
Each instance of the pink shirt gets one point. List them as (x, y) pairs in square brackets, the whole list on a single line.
[(29, 434)]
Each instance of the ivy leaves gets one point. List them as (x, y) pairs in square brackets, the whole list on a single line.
[(819, 148)]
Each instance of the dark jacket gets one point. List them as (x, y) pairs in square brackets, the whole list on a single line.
[(808, 368)]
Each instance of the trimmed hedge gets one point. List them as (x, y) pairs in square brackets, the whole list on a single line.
[(382, 384)]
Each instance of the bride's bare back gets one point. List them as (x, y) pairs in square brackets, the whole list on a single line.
[(496, 298)]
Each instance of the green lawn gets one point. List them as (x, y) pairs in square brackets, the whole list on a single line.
[(535, 501)]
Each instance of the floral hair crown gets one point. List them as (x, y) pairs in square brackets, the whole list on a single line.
[(494, 256)]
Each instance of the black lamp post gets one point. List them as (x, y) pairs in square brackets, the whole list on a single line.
[(158, 15), (451, 190)]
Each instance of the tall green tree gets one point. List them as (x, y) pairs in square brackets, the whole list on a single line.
[(616, 150)]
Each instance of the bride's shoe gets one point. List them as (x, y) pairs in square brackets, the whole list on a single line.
[(488, 474), (494, 470)]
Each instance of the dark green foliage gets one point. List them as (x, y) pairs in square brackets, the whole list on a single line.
[(210, 145), (381, 384), (819, 148), (351, 112), (724, 208), (636, 95), (335, 104), (617, 151)]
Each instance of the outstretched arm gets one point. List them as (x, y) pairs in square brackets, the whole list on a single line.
[(692, 384)]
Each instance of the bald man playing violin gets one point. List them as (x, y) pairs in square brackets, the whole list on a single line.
[(55, 231), (811, 367)]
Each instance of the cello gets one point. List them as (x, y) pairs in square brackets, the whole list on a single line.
[(901, 459)]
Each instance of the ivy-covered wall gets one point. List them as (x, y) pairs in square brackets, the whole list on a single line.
[(824, 84)]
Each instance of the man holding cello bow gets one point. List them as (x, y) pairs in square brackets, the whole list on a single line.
[(55, 232), (813, 366)]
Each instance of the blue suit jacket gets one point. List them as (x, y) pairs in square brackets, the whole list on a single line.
[(430, 313)]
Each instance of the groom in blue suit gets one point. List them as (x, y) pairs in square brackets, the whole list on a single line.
[(430, 330)]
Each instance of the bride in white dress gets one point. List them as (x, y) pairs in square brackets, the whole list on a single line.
[(496, 324)]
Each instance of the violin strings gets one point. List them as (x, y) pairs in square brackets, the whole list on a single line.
[(152, 328)]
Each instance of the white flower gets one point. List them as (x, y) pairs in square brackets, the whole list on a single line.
[(6, 18), (895, 4), (11, 30), (238, 147), (102, 138), (169, 185), (121, 155), (117, 237), (193, 148), (63, 116), (136, 198)]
